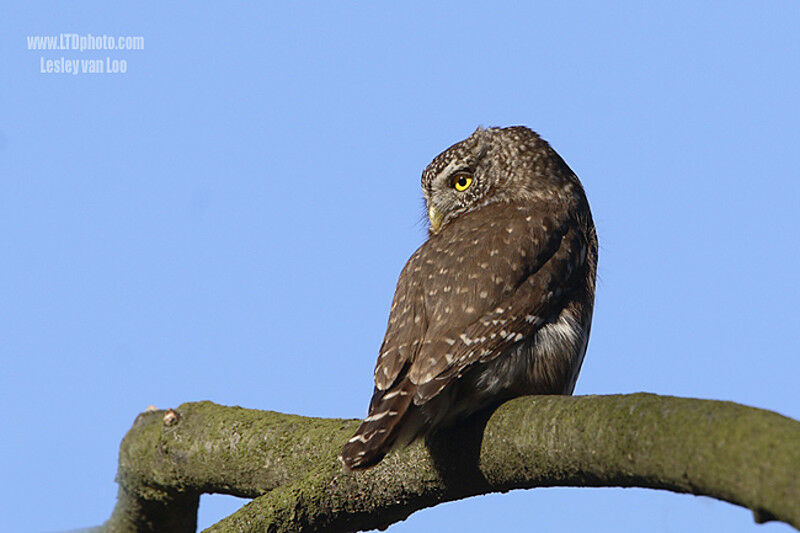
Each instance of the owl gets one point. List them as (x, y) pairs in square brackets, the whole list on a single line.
[(497, 303)]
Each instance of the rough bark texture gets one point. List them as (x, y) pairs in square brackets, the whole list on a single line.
[(288, 464)]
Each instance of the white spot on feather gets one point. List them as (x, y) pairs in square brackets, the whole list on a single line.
[(394, 393), (376, 416)]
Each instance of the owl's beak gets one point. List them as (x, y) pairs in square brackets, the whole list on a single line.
[(435, 217)]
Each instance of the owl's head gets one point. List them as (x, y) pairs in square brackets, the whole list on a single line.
[(492, 165)]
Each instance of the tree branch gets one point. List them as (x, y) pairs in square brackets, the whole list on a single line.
[(746, 456)]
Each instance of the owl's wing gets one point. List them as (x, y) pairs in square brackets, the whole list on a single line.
[(393, 391), (407, 325), (514, 316)]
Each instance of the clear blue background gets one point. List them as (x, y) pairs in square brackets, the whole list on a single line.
[(227, 220)]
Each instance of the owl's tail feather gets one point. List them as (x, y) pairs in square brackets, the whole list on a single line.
[(379, 432)]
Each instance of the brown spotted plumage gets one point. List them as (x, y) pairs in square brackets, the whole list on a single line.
[(496, 304)]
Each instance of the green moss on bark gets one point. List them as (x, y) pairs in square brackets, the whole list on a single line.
[(288, 463)]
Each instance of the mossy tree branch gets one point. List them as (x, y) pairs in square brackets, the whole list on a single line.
[(287, 463)]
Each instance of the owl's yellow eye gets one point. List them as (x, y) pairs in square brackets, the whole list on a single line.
[(461, 182)]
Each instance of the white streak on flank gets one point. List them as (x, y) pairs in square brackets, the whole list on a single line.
[(519, 337), (360, 438), (466, 340), (449, 341), (565, 333)]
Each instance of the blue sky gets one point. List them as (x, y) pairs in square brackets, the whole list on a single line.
[(226, 221)]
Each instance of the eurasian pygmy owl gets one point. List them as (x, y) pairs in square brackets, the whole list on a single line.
[(496, 304)]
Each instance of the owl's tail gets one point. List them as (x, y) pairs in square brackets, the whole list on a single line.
[(379, 432)]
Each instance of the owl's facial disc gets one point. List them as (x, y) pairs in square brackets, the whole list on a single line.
[(451, 192), (453, 182)]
